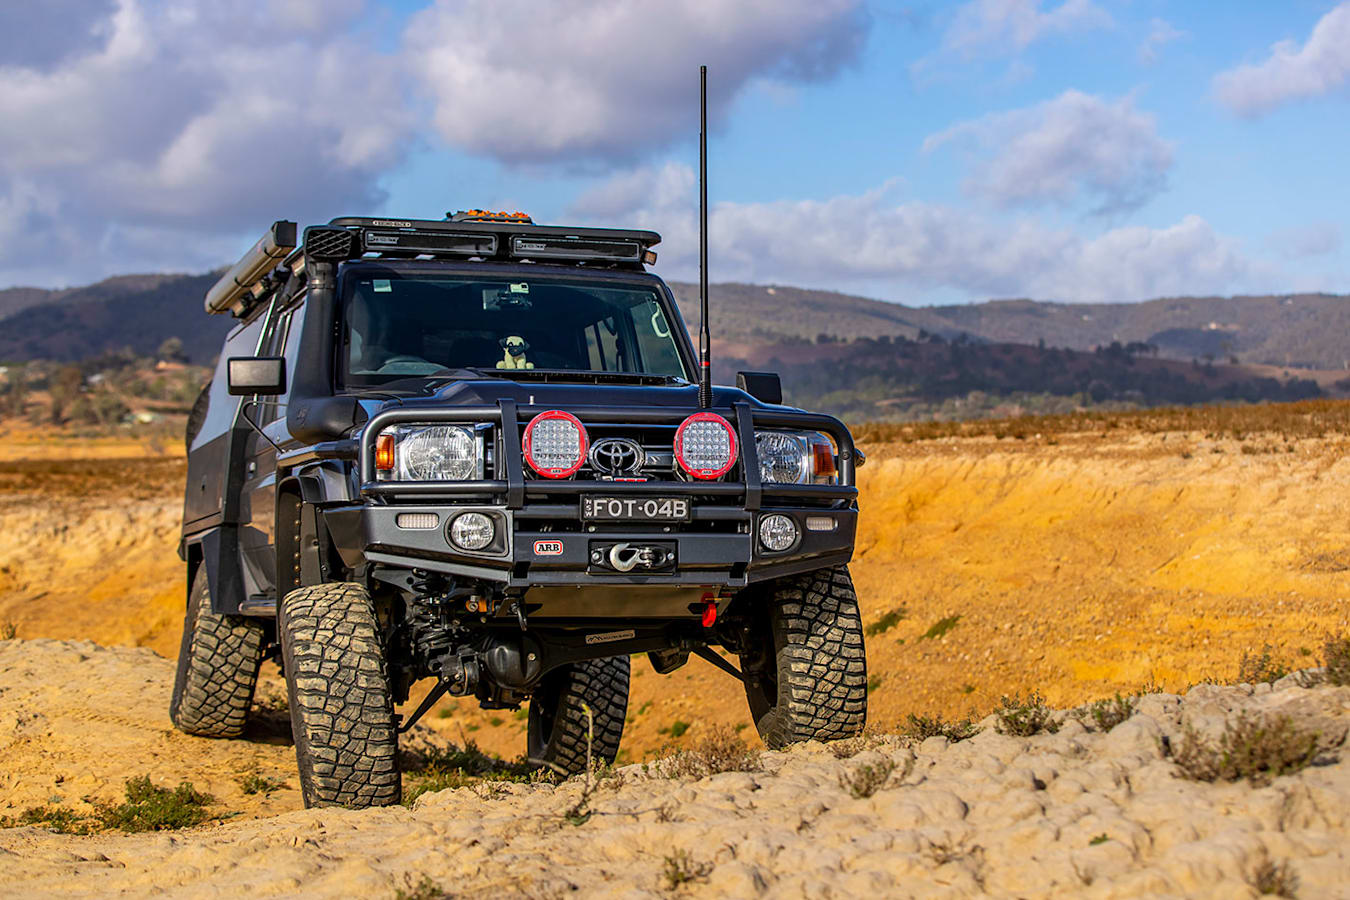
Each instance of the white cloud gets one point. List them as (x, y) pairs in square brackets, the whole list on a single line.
[(870, 242), (191, 124), (1320, 66), (1004, 26), (1303, 241), (1076, 146), (572, 81), (1160, 32)]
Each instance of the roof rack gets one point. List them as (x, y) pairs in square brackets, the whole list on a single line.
[(495, 236), (475, 234)]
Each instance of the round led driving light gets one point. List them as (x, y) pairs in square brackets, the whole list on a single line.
[(472, 531), (777, 532), (439, 453), (555, 444), (781, 459), (705, 446)]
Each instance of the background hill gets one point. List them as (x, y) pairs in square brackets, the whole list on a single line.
[(856, 357)]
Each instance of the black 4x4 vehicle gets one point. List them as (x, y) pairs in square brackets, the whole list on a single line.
[(473, 450)]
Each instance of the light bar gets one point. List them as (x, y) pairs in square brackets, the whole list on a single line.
[(227, 294), (547, 247), (430, 242)]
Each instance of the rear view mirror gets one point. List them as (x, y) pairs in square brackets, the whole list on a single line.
[(262, 375), (766, 387)]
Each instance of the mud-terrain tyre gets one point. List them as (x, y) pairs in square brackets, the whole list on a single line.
[(342, 710), (813, 683), (218, 663), (556, 734)]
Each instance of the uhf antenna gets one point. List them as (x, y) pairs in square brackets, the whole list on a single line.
[(704, 340)]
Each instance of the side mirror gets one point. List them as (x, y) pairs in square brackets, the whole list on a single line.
[(263, 375), (766, 387)]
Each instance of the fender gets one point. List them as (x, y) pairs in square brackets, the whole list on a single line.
[(302, 543), (218, 549)]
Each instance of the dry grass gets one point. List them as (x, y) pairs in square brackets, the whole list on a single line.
[(865, 780), (1024, 717), (1275, 880), (681, 868), (1108, 713), (720, 751), (1261, 668), (921, 728), (1305, 419), (1254, 747), (1336, 659)]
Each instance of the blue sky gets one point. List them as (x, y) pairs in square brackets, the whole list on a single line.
[(1074, 150)]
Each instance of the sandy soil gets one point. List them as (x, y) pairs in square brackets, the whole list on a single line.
[(1075, 813), (1077, 565)]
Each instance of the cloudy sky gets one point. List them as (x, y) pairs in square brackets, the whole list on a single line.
[(925, 152)]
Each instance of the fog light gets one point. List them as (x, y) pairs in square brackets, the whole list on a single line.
[(417, 520), (820, 523), (777, 532), (471, 531)]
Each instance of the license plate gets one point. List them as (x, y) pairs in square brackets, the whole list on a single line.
[(636, 509)]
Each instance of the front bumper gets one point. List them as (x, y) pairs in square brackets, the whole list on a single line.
[(548, 554), (726, 556)]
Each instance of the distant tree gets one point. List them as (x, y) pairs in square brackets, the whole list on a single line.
[(64, 389), (172, 350)]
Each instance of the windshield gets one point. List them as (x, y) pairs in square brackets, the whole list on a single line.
[(405, 325)]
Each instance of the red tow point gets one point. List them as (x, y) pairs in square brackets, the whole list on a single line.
[(709, 612)]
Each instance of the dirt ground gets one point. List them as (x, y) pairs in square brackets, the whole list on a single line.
[(1076, 564)]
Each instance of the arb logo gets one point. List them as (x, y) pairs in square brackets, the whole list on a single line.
[(548, 548)]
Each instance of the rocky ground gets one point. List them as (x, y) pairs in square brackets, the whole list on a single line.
[(1077, 813)]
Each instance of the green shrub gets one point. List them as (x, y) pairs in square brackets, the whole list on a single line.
[(54, 818), (886, 622), (940, 627), (149, 807)]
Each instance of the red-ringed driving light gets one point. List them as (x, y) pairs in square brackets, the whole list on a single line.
[(555, 444), (384, 453), (705, 446)]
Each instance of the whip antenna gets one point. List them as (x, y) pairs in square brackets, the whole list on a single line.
[(704, 340)]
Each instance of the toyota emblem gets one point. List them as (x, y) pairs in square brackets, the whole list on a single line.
[(617, 456)]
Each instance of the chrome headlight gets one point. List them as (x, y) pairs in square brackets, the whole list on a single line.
[(795, 457), (429, 453)]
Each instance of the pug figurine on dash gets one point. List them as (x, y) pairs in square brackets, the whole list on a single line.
[(513, 356)]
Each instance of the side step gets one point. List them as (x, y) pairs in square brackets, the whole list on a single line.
[(259, 605)]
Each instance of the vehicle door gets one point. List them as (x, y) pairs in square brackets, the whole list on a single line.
[(257, 536)]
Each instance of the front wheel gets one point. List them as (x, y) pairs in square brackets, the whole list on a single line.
[(342, 710), (806, 672), (557, 734)]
